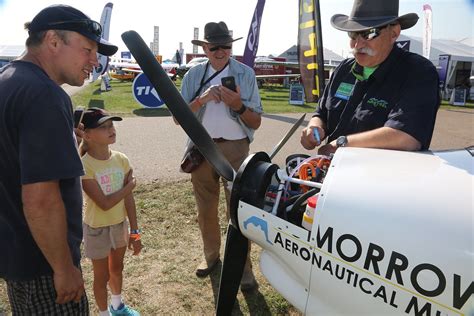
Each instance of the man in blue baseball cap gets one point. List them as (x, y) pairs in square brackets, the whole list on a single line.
[(40, 168), (63, 17)]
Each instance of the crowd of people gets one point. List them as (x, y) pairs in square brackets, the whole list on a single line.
[(382, 98)]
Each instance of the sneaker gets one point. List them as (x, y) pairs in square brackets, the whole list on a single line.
[(123, 310)]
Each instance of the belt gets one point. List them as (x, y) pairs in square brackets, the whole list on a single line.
[(219, 140)]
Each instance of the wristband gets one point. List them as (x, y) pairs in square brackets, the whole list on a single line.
[(241, 110), (198, 101), (135, 231), (135, 237)]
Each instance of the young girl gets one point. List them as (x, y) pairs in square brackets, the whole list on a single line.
[(108, 184)]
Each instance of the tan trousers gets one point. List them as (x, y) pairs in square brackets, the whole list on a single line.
[(206, 191)]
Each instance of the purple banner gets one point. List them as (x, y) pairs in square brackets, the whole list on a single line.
[(310, 49), (251, 46), (443, 70)]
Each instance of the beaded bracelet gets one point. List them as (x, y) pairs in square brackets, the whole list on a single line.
[(135, 237)]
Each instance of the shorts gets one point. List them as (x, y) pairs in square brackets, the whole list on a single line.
[(99, 241), (38, 297)]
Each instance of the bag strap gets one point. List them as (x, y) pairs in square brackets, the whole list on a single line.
[(203, 83)]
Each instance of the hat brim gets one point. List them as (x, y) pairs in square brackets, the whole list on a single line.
[(103, 47), (106, 118), (216, 41), (344, 23)]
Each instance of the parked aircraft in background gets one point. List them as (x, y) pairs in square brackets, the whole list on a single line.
[(267, 69), (128, 69)]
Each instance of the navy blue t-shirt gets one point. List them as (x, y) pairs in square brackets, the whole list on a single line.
[(402, 93), (37, 144)]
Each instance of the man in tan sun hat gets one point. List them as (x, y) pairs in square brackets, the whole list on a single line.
[(384, 97), (231, 118)]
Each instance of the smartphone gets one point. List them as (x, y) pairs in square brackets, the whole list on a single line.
[(78, 115), (229, 83)]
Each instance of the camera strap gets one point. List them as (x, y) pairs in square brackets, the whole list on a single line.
[(203, 83)]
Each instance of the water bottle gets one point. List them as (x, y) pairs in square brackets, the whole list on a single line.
[(308, 215)]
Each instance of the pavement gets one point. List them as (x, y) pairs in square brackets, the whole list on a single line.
[(155, 145)]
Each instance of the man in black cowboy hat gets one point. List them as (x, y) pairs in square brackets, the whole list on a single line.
[(40, 169), (231, 118), (384, 97)]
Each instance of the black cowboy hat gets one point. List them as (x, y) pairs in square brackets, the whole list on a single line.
[(367, 14), (215, 33)]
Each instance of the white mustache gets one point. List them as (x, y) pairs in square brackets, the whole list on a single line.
[(363, 50)]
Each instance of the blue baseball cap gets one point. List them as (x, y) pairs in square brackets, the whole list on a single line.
[(64, 17)]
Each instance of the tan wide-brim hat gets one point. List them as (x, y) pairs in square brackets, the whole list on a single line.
[(367, 14)]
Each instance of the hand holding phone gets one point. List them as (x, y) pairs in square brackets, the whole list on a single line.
[(78, 115), (229, 83)]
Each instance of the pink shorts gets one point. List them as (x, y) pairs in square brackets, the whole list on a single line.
[(99, 241)]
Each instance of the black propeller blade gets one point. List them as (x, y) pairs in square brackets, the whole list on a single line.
[(235, 255), (176, 104), (283, 141), (253, 176)]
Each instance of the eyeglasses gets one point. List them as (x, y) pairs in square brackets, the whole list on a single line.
[(368, 35), (89, 26), (214, 48)]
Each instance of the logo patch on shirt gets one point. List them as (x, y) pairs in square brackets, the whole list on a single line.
[(344, 91), (377, 103)]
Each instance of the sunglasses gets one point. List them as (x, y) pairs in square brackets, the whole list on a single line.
[(89, 26), (368, 35), (214, 48)]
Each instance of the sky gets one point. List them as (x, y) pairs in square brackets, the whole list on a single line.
[(452, 19)]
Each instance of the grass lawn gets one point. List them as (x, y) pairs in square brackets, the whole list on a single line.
[(121, 101)]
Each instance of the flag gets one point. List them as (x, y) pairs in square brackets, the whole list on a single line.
[(251, 46), (310, 49), (178, 57), (105, 23), (427, 30)]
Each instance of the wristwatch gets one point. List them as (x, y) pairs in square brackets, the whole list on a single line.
[(341, 141), (241, 110)]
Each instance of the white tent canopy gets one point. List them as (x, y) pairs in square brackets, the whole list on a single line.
[(10, 52)]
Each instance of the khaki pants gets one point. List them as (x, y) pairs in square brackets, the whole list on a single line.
[(206, 191)]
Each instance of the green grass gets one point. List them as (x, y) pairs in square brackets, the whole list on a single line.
[(121, 101), (445, 105)]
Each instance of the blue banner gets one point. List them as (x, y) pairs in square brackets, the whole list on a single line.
[(251, 46)]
